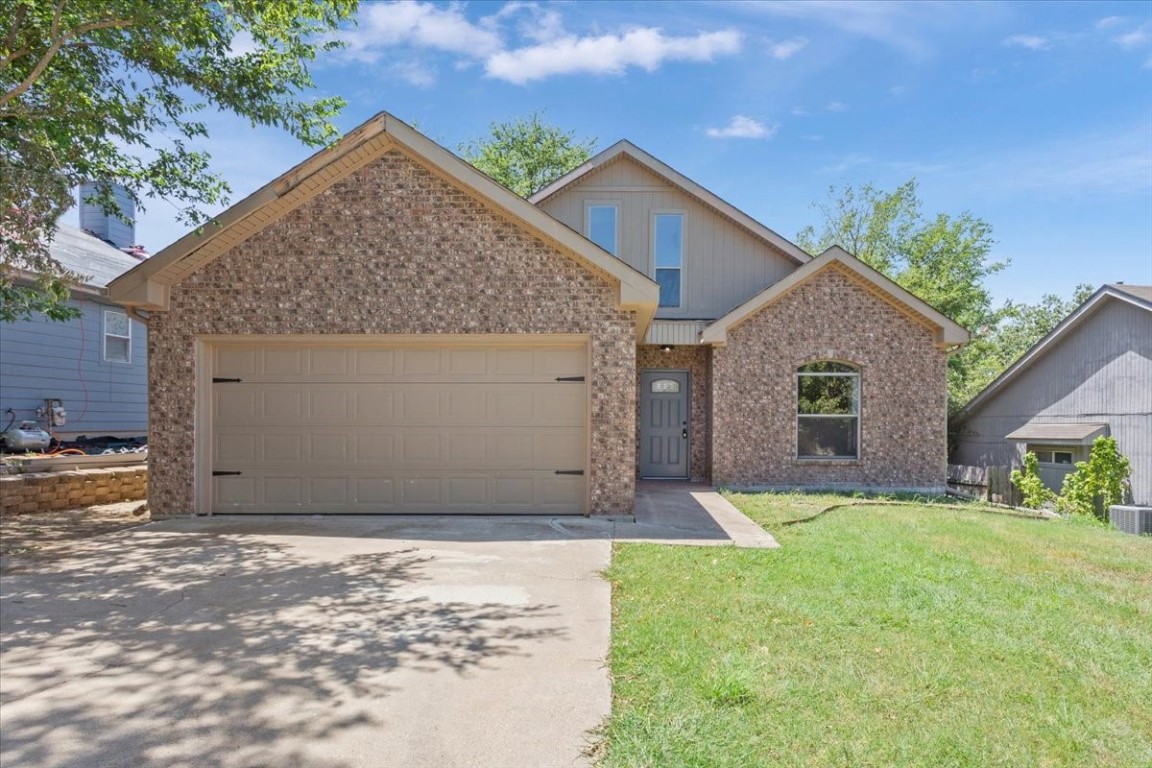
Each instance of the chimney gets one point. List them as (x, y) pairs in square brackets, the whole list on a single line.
[(108, 226)]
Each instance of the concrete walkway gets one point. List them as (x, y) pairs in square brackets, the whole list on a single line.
[(330, 642)]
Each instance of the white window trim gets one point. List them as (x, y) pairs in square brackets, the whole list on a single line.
[(858, 415), (107, 313), (614, 204), (683, 214)]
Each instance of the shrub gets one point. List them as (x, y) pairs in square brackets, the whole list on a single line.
[(1097, 483), (1031, 487)]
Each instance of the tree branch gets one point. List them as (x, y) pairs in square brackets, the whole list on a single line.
[(58, 42)]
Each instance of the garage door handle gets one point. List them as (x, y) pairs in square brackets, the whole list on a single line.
[(216, 473), (569, 471), (218, 380), (569, 378)]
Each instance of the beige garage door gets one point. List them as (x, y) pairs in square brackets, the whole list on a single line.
[(451, 428)]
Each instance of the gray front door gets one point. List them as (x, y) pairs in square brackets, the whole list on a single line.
[(664, 424)]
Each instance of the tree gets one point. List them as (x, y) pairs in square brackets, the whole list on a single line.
[(1025, 324), (110, 92), (526, 154), (941, 259)]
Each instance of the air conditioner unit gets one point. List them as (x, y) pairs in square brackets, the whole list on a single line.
[(1137, 520)]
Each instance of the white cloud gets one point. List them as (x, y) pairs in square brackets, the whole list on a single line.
[(414, 73), (1031, 42), (800, 112), (743, 127), (423, 25), (1142, 35), (1108, 22), (788, 48), (836, 106), (644, 47), (548, 49)]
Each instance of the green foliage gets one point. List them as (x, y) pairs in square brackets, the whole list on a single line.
[(1032, 488), (941, 259), (1022, 325), (1097, 483), (110, 92), (526, 154)]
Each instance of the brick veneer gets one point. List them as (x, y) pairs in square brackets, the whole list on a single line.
[(903, 391), (698, 362), (392, 249)]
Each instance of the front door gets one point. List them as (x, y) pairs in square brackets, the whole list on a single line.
[(664, 425)]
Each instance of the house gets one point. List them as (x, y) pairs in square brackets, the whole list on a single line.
[(85, 376), (383, 328), (1090, 377)]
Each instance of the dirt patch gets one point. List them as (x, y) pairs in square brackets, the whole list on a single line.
[(40, 534)]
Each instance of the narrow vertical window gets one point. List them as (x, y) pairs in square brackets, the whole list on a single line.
[(668, 254), (828, 411), (602, 226), (117, 337)]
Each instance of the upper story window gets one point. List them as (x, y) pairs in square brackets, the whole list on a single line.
[(668, 255), (603, 226), (828, 411), (117, 337)]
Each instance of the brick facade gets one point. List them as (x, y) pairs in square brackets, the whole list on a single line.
[(903, 391), (393, 249), (698, 362)]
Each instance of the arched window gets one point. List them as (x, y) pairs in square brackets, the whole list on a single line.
[(827, 411)]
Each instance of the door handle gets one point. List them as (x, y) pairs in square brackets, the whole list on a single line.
[(684, 434)]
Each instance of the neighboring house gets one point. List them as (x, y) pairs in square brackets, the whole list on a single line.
[(94, 366), (1091, 376), (383, 328)]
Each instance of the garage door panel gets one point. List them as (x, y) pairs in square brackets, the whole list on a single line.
[(469, 429), (474, 448)]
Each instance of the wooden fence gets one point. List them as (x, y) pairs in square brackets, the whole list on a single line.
[(985, 483)]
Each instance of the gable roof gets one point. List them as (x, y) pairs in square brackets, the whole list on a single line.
[(87, 255), (147, 286), (626, 149), (948, 332), (1136, 295)]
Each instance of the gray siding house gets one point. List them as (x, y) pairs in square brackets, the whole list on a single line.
[(94, 366), (1091, 376)]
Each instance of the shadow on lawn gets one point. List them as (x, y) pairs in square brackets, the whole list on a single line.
[(205, 649)]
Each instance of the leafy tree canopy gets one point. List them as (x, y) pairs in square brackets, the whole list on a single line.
[(111, 91), (941, 259), (526, 154)]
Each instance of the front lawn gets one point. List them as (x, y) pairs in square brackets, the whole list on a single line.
[(884, 636)]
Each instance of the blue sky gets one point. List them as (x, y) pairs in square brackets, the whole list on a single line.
[(1036, 117)]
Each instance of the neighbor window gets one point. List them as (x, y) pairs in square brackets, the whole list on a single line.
[(668, 254), (1052, 456), (828, 411), (117, 337), (602, 226)]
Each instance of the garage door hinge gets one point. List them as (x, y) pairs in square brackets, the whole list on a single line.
[(569, 471), (218, 473), (569, 378), (216, 380)]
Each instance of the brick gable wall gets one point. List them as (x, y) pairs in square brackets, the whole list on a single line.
[(393, 249), (903, 391)]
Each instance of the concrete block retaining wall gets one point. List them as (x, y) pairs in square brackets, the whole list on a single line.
[(48, 491)]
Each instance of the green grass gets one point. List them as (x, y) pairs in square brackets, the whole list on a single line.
[(884, 636)]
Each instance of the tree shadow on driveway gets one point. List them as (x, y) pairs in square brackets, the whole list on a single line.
[(174, 648)]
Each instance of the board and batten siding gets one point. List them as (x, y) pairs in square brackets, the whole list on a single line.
[(1100, 371), (42, 359), (724, 264)]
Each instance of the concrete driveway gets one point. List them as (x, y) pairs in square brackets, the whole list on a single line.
[(329, 642), (309, 642)]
